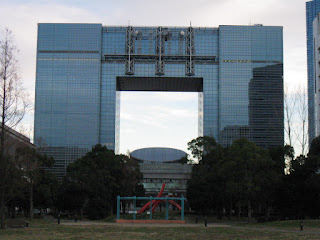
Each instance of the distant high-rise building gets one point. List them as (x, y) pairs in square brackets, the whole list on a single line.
[(316, 69), (82, 68), (312, 8)]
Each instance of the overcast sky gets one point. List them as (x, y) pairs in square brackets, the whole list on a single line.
[(157, 119)]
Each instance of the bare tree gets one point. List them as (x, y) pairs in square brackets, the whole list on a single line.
[(296, 116), (13, 106), (302, 117), (289, 106)]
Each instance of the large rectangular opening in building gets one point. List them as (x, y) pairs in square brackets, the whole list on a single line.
[(157, 119)]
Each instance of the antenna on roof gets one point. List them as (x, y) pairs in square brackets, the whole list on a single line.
[(190, 23), (129, 23)]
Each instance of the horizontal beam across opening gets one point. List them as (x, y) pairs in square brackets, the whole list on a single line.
[(166, 84)]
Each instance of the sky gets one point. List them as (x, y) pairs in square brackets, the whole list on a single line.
[(156, 119)]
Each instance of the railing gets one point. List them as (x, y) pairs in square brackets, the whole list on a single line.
[(182, 199)]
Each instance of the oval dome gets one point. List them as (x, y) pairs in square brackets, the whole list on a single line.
[(158, 154)]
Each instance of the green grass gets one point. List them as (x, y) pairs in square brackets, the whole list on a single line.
[(292, 224), (46, 229)]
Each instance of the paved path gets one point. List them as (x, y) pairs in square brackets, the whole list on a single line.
[(91, 223)]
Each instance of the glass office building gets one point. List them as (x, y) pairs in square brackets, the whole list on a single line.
[(82, 69), (312, 9)]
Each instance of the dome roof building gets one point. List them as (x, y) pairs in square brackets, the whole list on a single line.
[(158, 155), (163, 165)]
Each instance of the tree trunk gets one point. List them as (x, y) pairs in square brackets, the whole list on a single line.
[(239, 210), (12, 212), (31, 202), (259, 208), (2, 161), (2, 168), (268, 213), (303, 137), (2, 212), (111, 210), (12, 108), (83, 207), (230, 209), (249, 209)]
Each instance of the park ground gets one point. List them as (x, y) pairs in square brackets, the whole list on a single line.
[(49, 229)]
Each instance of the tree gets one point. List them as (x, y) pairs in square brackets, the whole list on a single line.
[(96, 179), (130, 185), (252, 171), (299, 193), (315, 147), (13, 105), (302, 109), (184, 160), (198, 189), (242, 175), (33, 166), (201, 146), (205, 188), (289, 109), (296, 115), (39, 192)]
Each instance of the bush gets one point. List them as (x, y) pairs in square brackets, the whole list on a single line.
[(97, 209)]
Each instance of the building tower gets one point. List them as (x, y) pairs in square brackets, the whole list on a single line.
[(82, 69), (312, 9)]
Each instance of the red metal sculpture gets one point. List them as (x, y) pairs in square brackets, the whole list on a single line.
[(155, 203)]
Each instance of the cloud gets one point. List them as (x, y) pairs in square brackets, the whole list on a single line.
[(142, 119), (149, 120), (159, 96)]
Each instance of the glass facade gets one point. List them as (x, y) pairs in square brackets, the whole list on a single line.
[(174, 175), (161, 165), (80, 68), (250, 85), (312, 9)]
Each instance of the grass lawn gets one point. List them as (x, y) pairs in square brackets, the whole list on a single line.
[(48, 229)]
